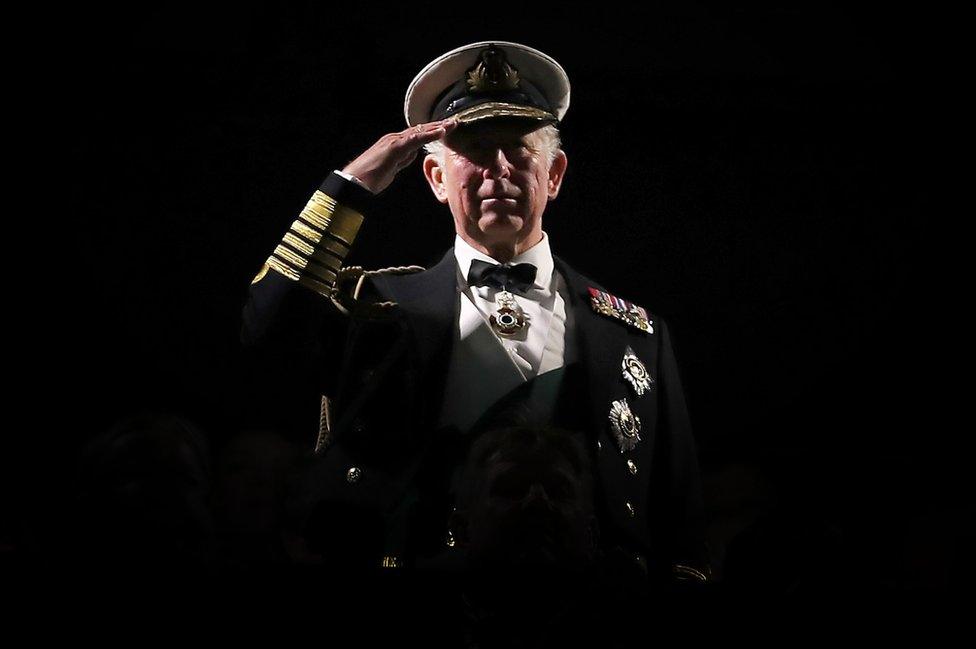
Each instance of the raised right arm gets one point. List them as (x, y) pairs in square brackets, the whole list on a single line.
[(303, 269), (295, 308)]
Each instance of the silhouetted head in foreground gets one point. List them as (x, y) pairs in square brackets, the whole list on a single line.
[(525, 503), (143, 494)]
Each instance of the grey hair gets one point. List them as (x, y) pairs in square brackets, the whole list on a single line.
[(549, 135)]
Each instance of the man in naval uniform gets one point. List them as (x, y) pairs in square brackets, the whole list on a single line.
[(409, 360)]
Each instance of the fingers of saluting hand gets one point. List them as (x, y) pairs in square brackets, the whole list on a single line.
[(377, 166), (409, 141), (419, 135)]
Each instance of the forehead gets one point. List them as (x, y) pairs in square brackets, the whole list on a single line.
[(495, 129)]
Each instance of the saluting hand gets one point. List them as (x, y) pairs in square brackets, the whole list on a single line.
[(380, 163)]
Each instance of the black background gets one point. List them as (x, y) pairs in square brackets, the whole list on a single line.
[(746, 172)]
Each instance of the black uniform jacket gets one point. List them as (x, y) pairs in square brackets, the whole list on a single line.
[(382, 359)]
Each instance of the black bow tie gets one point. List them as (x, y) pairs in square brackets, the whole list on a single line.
[(519, 277)]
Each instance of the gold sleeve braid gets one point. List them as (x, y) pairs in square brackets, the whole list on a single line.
[(314, 248)]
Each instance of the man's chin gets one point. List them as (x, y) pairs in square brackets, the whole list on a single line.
[(500, 222)]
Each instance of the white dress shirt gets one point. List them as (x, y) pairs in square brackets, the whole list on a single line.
[(538, 348), (485, 366)]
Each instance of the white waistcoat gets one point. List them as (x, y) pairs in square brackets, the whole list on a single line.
[(485, 366)]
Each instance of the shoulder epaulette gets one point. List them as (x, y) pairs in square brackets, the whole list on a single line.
[(611, 305), (350, 285), (390, 270), (395, 270)]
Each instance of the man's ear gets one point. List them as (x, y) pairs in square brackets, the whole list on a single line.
[(557, 170), (434, 173)]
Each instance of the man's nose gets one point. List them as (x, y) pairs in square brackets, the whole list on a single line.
[(498, 165)]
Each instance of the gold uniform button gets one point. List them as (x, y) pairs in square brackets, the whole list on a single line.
[(630, 509), (353, 474), (632, 466)]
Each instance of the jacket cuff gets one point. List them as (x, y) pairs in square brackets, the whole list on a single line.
[(316, 245), (353, 179), (347, 192)]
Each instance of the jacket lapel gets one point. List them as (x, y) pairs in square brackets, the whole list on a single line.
[(428, 301), (600, 345)]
